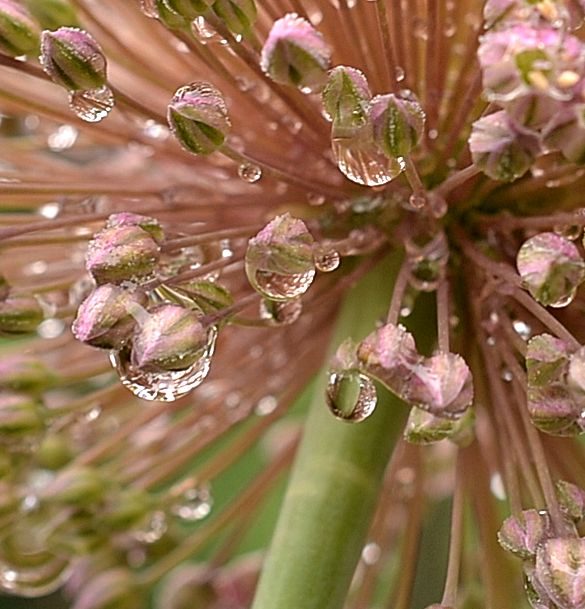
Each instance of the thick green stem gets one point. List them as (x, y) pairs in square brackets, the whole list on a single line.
[(335, 481)]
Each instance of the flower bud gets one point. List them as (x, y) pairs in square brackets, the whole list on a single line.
[(346, 99), (112, 589), (295, 54), (24, 373), (198, 118), (52, 14), (560, 569), (54, 451), (19, 34), (20, 415), (551, 268), (423, 427), (171, 337), (150, 225), (500, 150), (207, 296), (78, 485), (566, 132), (237, 15), (523, 533), (576, 374), (73, 59), (122, 253), (279, 259), (188, 9), (398, 124), (188, 586), (571, 499), (106, 318), (20, 314), (126, 508)]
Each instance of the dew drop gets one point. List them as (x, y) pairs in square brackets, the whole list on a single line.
[(399, 73), (326, 259), (417, 201), (281, 313), (249, 172), (522, 329), (351, 395), (168, 385), (315, 198), (569, 231), (276, 286), (194, 504), (92, 105), (363, 163), (266, 405), (420, 29), (148, 7), (152, 528), (202, 31)]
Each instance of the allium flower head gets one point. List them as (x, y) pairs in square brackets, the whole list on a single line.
[(337, 250)]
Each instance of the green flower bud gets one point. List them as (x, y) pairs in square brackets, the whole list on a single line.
[(346, 99), (54, 452), (424, 427), (73, 59), (80, 486), (296, 54), (19, 34), (398, 124), (237, 15), (24, 373), (126, 508), (52, 14), (189, 9), (170, 18), (198, 118), (20, 415), (20, 314)]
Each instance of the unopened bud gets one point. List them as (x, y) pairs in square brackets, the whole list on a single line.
[(171, 337), (346, 99), (499, 150), (279, 259), (20, 415), (560, 568), (79, 485), (19, 34), (127, 508), (121, 253), (24, 373), (73, 59), (20, 314), (398, 124), (112, 589), (54, 452), (106, 318), (187, 9), (199, 118), (208, 296), (296, 54), (551, 268), (52, 14), (571, 499), (238, 15), (523, 533)]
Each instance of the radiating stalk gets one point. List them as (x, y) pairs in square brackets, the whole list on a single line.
[(335, 481)]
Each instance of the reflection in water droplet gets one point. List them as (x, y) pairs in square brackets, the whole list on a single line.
[(276, 286), (92, 105), (351, 395), (249, 172), (363, 163), (164, 386), (281, 313), (326, 259), (569, 231), (148, 7), (152, 528), (315, 198), (194, 504)]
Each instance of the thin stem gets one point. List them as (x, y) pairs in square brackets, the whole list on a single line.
[(400, 286), (443, 314), (455, 180), (389, 55)]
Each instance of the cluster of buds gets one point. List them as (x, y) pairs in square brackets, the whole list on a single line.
[(554, 564), (556, 385), (439, 388), (533, 70), (154, 332)]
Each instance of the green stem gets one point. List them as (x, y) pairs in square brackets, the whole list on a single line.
[(336, 479)]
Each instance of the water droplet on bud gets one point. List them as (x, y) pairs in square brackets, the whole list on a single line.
[(92, 105), (351, 395)]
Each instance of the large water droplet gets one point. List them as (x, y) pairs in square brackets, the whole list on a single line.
[(363, 163), (92, 105), (164, 386), (351, 395), (249, 172), (276, 286), (194, 504)]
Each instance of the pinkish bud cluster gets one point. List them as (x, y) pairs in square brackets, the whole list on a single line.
[(533, 70)]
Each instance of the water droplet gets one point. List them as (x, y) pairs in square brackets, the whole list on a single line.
[(164, 386), (507, 375), (417, 201), (194, 504), (152, 529), (569, 231), (371, 553), (522, 329), (450, 27), (204, 32), (399, 74), (363, 163), (351, 395), (148, 7), (92, 105), (282, 287), (266, 405), (326, 259), (281, 313), (420, 29), (315, 198), (62, 138), (249, 172), (50, 210)]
